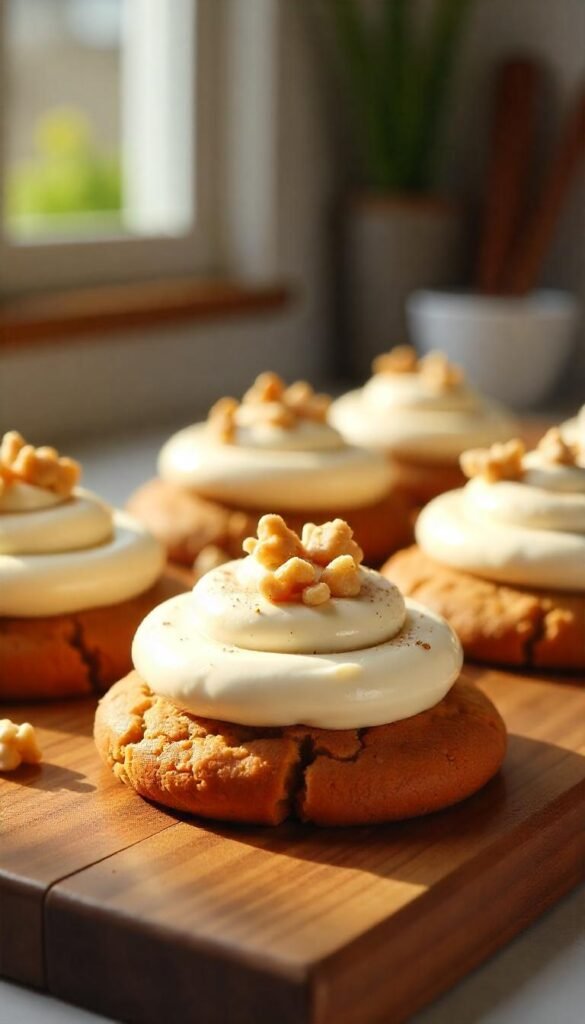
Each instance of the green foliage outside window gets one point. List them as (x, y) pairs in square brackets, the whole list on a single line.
[(68, 177)]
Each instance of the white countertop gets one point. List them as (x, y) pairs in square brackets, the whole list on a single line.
[(539, 978)]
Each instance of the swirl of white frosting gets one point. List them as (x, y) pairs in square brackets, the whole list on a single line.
[(225, 653), (230, 611), (529, 532), (64, 524), (401, 413), (60, 555), (307, 466)]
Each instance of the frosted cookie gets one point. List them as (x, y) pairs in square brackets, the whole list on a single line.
[(273, 450), (76, 578), (503, 559), (422, 414), (297, 682)]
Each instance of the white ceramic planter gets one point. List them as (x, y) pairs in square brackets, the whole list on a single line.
[(393, 246), (512, 349)]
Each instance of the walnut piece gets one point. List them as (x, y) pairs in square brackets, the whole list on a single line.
[(275, 413), (306, 403), (268, 387), (440, 375), (435, 369), (324, 564), (500, 462), (41, 467), (316, 594), (555, 449), (326, 542), (342, 576), (268, 401), (222, 420), (276, 544), (18, 744), (288, 581), (401, 359)]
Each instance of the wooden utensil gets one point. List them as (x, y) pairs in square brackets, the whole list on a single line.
[(530, 251), (518, 87)]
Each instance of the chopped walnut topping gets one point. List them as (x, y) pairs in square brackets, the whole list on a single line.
[(316, 594), (41, 467), (326, 542), (401, 359), (276, 544), (441, 375), (221, 419), (268, 387), (342, 576), (500, 462), (434, 368), (324, 564), (305, 402), (554, 448), (268, 401), (288, 581), (275, 413), (10, 446)]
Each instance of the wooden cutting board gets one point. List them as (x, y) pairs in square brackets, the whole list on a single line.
[(139, 914)]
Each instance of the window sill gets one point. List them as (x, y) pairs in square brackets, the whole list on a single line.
[(53, 316)]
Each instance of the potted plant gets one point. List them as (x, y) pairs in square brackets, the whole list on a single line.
[(395, 72)]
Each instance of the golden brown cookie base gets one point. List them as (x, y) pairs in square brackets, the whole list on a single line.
[(498, 624), (261, 775), (420, 482), (76, 654), (186, 523)]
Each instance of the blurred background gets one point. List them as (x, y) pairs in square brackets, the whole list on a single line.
[(195, 191)]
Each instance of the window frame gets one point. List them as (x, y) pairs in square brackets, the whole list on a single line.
[(40, 266)]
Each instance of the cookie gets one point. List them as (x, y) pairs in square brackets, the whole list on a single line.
[(186, 523), (419, 483), (497, 624), (263, 775), (75, 654)]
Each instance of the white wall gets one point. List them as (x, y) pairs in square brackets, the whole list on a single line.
[(94, 384)]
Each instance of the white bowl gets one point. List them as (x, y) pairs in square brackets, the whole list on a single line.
[(512, 349)]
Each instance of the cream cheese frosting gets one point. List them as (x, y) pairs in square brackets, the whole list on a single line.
[(228, 611), (413, 415), (307, 467), (392, 672), (65, 552), (528, 531)]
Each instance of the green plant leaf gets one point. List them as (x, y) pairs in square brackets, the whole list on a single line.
[(436, 69), (395, 38), (367, 95)]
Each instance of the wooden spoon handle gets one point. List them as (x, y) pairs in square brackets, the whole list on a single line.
[(512, 134), (530, 251)]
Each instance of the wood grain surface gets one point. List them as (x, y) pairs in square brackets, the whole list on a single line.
[(43, 317), (56, 818), (144, 916)]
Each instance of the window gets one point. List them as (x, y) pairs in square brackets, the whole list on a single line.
[(106, 140)]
